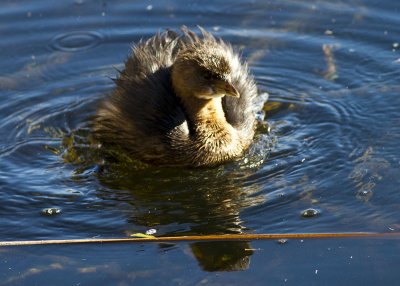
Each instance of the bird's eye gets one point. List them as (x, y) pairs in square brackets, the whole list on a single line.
[(207, 76)]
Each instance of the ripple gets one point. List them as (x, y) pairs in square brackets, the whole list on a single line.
[(76, 41)]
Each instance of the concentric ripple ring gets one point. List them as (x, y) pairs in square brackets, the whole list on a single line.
[(76, 41)]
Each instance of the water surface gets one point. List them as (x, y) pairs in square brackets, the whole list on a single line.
[(332, 72)]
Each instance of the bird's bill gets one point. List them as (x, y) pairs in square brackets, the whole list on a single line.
[(227, 88)]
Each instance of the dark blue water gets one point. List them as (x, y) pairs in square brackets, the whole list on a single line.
[(332, 71)]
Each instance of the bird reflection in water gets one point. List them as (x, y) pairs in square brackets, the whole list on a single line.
[(190, 202)]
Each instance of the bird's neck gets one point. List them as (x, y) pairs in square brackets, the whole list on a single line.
[(206, 113), (219, 140)]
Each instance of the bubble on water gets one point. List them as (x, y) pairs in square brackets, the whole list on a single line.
[(364, 194), (151, 231), (51, 211), (282, 240), (308, 213)]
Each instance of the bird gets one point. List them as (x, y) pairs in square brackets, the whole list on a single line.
[(182, 99)]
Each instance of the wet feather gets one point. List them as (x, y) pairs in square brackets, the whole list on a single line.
[(145, 116)]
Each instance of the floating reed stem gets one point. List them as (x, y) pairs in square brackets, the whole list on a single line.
[(223, 237)]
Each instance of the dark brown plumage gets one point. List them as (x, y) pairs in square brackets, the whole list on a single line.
[(182, 99)]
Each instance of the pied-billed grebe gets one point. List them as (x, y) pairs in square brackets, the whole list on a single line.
[(182, 99)]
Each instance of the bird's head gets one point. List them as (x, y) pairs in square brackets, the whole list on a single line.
[(203, 71)]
